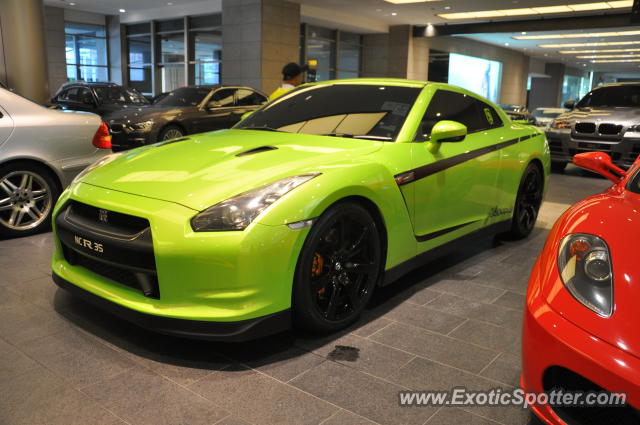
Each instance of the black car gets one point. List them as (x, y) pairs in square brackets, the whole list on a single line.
[(99, 98), (187, 110)]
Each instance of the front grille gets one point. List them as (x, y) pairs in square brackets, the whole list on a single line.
[(591, 146), (143, 282), (585, 127), (103, 221), (561, 379), (609, 129)]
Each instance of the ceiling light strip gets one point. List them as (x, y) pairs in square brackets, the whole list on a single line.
[(614, 60), (578, 52), (541, 10), (607, 56), (579, 35), (595, 44)]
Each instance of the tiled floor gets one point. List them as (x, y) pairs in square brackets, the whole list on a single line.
[(455, 322)]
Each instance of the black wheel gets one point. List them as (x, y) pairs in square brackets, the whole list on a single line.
[(28, 193), (338, 269), (528, 203), (558, 166), (170, 132)]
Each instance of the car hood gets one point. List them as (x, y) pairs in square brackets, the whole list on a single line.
[(201, 170), (615, 115), (615, 217), (140, 113)]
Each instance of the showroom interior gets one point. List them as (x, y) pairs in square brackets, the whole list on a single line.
[(347, 247)]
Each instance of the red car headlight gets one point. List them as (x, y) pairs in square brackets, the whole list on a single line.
[(584, 263)]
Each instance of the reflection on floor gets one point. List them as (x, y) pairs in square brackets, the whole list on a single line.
[(454, 323)]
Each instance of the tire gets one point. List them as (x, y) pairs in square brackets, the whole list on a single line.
[(28, 193), (558, 166), (170, 132), (330, 288), (528, 201)]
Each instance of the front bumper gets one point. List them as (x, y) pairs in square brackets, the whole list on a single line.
[(551, 341), (228, 285), (564, 146), (123, 138)]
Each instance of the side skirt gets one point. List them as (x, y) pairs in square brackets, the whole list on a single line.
[(400, 270)]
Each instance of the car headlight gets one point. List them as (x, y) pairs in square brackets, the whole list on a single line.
[(100, 162), (238, 212), (560, 124), (585, 268), (142, 126)]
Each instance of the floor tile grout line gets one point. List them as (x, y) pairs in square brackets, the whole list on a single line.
[(391, 321), (490, 363), (457, 327), (102, 406), (498, 297), (445, 364), (433, 415), (307, 370), (325, 420)]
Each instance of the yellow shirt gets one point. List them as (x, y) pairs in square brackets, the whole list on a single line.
[(280, 91)]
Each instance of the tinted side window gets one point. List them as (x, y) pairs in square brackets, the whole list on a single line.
[(224, 97), (249, 98), (72, 94), (447, 105)]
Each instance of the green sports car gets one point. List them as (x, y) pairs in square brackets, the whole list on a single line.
[(296, 214)]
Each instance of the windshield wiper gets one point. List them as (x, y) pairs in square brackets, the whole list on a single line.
[(358, 136), (260, 127)]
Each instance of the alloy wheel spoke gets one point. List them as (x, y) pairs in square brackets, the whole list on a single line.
[(32, 214), (360, 268), (24, 182), (332, 306), (8, 187)]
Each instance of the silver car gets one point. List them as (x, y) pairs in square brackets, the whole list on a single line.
[(41, 151), (607, 119)]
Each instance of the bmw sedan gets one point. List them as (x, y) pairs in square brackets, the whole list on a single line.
[(186, 110)]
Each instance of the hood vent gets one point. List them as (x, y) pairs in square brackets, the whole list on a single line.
[(257, 150)]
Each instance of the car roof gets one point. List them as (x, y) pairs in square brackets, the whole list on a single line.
[(90, 83), (636, 83)]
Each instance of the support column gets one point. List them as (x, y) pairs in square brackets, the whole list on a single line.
[(547, 91), (25, 54), (258, 38)]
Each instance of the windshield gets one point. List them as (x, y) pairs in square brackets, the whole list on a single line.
[(119, 95), (186, 96), (621, 96), (344, 110)]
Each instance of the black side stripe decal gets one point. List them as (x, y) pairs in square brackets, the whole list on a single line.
[(436, 167), (433, 235)]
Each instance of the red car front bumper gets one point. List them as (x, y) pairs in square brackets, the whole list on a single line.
[(549, 340)]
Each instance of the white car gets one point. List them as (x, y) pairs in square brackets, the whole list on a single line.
[(545, 116), (41, 151)]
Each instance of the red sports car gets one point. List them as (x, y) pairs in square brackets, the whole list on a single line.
[(581, 327)]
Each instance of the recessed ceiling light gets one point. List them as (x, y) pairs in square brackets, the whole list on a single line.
[(72, 4), (170, 4), (394, 13), (578, 35), (447, 8), (506, 44), (523, 33), (122, 11), (541, 10)]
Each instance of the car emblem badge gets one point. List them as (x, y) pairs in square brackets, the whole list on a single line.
[(103, 216)]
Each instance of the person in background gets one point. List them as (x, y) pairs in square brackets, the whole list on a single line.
[(291, 77)]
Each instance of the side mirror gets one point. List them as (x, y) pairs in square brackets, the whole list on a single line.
[(599, 162), (246, 114), (570, 104), (448, 131)]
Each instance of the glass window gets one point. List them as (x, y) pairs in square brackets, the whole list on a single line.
[(171, 48), (334, 59), (173, 25), (139, 50), (207, 73), (206, 21), (223, 97), (139, 28), (207, 45), (349, 57), (447, 105), (249, 98), (140, 79), (186, 96), (344, 110), (172, 77), (86, 52), (323, 51), (117, 94)]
